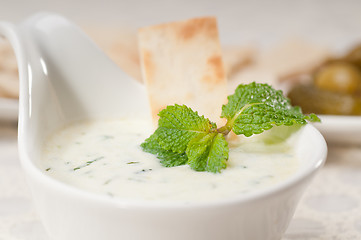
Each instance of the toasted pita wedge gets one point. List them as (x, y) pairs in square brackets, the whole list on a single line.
[(9, 85), (7, 58), (182, 63)]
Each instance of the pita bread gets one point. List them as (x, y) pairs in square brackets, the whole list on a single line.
[(182, 63), (9, 84), (7, 57)]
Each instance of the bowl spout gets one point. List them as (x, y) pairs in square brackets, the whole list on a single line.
[(58, 61), (65, 77)]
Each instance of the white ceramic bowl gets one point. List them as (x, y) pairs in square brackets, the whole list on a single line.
[(64, 78)]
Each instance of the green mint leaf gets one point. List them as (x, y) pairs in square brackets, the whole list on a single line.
[(184, 137), (256, 107), (168, 158), (177, 125), (313, 118), (208, 152)]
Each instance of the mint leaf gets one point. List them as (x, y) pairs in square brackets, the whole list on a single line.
[(184, 137), (257, 107), (168, 158), (208, 152), (177, 125)]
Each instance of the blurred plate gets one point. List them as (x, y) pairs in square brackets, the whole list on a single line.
[(9, 109), (335, 129), (340, 129)]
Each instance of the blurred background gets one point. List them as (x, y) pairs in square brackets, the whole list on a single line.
[(330, 22), (263, 41)]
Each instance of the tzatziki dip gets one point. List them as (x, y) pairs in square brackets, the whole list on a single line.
[(105, 157)]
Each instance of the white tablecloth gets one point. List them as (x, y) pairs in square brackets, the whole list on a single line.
[(330, 208)]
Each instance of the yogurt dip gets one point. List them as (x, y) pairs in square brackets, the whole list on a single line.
[(105, 157)]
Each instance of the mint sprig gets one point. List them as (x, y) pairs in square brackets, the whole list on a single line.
[(255, 107), (184, 137)]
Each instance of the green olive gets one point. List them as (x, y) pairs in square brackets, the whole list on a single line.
[(354, 56), (340, 77), (314, 100)]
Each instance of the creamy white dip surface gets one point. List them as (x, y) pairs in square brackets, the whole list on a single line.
[(105, 157)]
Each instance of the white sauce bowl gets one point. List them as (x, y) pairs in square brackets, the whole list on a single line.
[(64, 77)]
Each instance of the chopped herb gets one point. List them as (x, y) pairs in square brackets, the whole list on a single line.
[(110, 194), (107, 181), (88, 163), (135, 179), (132, 162), (106, 137), (144, 170), (47, 169)]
